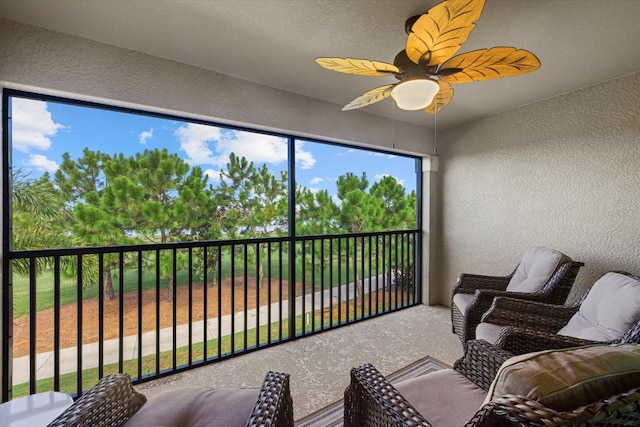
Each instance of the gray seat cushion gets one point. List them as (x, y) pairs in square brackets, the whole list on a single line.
[(196, 407), (610, 309), (536, 268), (462, 301), (488, 332), (445, 398)]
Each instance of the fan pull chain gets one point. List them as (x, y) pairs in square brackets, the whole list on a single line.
[(393, 125), (435, 133)]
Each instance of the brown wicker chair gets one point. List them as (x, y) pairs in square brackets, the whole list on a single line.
[(370, 400), (538, 324), (113, 402), (473, 294)]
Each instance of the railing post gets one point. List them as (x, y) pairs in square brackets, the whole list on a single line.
[(7, 333), (418, 248), (6, 295), (292, 239)]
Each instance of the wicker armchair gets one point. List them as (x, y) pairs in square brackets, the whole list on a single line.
[(370, 400), (113, 402), (545, 326), (473, 294)]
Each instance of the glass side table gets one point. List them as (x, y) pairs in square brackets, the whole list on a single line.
[(34, 410)]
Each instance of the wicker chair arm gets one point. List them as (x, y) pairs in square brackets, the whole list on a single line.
[(519, 341), (370, 399), (481, 362), (619, 410), (632, 336), (483, 301), (622, 409), (559, 285), (274, 406), (490, 294), (541, 316), (111, 402), (468, 283), (518, 410)]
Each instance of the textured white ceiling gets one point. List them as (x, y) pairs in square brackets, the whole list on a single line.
[(274, 42)]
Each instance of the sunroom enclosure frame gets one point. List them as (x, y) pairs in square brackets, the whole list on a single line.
[(290, 241)]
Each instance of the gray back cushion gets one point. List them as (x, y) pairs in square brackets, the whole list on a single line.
[(610, 309), (535, 269)]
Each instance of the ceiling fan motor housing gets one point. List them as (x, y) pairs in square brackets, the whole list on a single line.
[(409, 70)]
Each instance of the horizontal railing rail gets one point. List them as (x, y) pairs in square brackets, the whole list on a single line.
[(152, 310)]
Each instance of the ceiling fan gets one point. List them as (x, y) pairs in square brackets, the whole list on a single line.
[(427, 66)]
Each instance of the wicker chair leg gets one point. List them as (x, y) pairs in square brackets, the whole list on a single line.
[(350, 406), (457, 321)]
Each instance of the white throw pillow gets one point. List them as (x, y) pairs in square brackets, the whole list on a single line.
[(610, 309), (535, 269)]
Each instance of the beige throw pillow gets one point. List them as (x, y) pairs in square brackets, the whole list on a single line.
[(566, 379)]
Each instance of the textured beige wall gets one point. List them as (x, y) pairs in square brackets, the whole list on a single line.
[(563, 173)]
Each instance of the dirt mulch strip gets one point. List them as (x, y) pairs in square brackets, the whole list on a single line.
[(111, 324)]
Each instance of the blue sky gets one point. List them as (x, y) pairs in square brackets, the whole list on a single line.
[(43, 131)]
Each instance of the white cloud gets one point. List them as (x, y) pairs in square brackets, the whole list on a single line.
[(256, 147), (379, 176), (345, 152), (212, 174), (32, 125), (388, 156), (194, 139), (146, 135), (42, 163), (305, 158), (316, 180), (209, 145)]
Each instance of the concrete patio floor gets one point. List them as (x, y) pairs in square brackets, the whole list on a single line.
[(319, 365)]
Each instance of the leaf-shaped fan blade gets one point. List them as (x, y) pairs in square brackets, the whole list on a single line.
[(371, 97), (442, 98), (487, 64), (362, 67), (437, 35)]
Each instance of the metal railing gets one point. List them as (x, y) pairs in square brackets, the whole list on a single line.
[(180, 305)]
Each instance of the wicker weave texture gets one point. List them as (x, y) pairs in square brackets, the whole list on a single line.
[(274, 406), (481, 362), (110, 403), (535, 325), (486, 288), (370, 400), (113, 401)]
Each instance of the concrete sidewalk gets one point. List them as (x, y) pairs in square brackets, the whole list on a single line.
[(131, 346)]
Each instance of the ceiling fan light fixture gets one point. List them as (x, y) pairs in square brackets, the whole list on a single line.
[(415, 94)]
